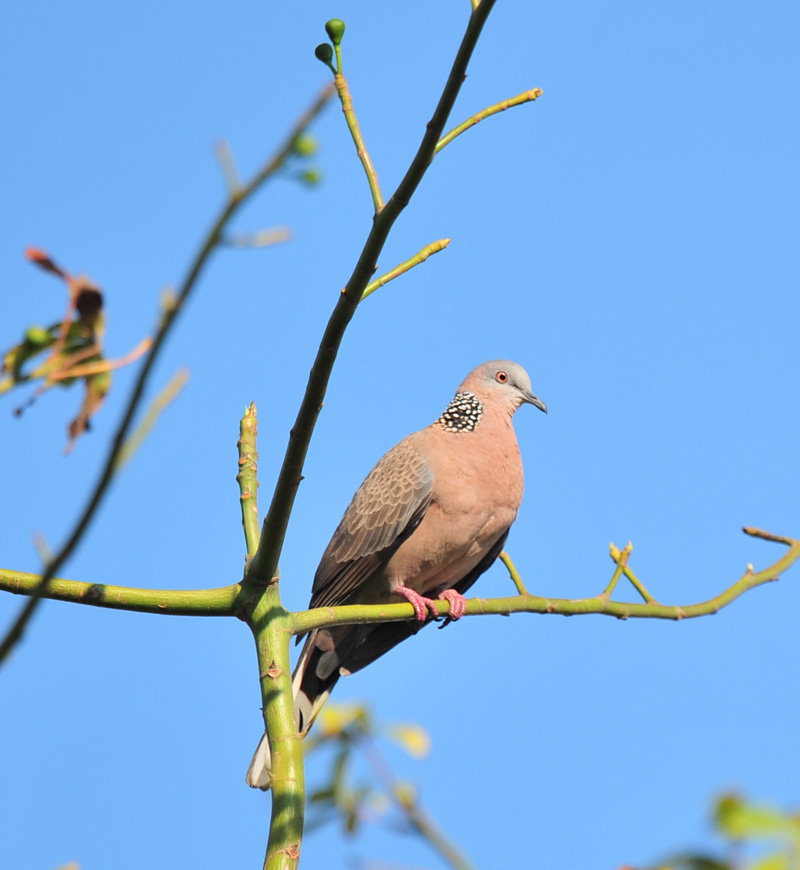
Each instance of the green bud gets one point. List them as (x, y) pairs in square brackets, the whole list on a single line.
[(311, 177), (37, 336), (305, 145), (335, 30), (324, 53)]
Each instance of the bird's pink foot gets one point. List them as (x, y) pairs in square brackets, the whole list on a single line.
[(458, 604), (420, 603)]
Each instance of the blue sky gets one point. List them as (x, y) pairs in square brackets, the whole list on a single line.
[(631, 239)]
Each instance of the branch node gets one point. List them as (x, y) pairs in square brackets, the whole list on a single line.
[(273, 671)]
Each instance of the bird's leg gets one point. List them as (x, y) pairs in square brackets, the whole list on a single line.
[(420, 603)]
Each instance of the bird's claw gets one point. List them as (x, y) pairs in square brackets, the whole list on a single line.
[(457, 602), (424, 608)]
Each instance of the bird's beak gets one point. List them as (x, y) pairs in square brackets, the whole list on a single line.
[(534, 400)]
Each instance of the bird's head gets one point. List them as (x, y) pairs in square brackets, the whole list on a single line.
[(502, 382)]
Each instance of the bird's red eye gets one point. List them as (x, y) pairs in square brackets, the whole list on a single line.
[(502, 377)]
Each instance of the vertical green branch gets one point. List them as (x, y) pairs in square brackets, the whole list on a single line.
[(272, 627)]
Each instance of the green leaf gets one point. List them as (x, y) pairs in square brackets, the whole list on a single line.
[(36, 340), (97, 386), (741, 820), (413, 738), (778, 861), (337, 718)]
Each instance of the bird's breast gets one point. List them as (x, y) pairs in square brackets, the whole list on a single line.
[(477, 491)]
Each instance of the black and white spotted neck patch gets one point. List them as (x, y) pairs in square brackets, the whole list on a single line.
[(462, 414)]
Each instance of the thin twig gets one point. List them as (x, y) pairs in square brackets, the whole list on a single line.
[(168, 395), (513, 573), (106, 365), (259, 239), (621, 559), (73, 359), (50, 375), (228, 166), (408, 804), (427, 251), (767, 536), (524, 97), (346, 99)]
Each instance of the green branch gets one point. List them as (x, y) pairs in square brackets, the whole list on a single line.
[(226, 600), (322, 617), (524, 97), (621, 558), (408, 803), (513, 573), (172, 602), (247, 478), (335, 29), (168, 395), (207, 247), (420, 257), (272, 628), (343, 90)]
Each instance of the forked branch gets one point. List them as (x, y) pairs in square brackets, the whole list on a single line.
[(307, 620)]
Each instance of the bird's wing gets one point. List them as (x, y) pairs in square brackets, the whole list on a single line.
[(385, 510)]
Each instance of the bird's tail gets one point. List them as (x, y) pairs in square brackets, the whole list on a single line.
[(314, 677), (258, 774)]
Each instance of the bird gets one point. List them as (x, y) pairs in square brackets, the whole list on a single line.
[(432, 515)]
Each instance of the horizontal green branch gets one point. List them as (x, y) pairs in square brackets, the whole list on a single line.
[(322, 617), (173, 602), (223, 601)]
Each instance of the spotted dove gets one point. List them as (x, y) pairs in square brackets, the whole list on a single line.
[(429, 519)]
